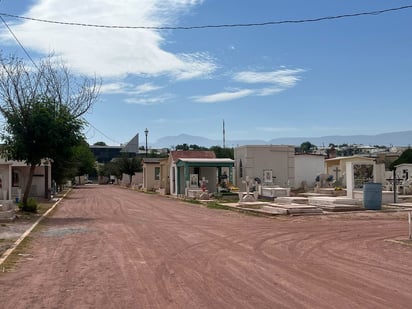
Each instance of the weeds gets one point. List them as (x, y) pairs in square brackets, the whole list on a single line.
[(216, 205), (10, 263), (31, 205), (193, 201)]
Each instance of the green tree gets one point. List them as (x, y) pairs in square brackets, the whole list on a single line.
[(307, 147), (42, 107), (182, 147), (221, 152), (78, 161), (42, 133), (197, 147), (84, 159), (110, 168), (63, 168), (99, 144), (153, 153), (129, 166), (405, 157)]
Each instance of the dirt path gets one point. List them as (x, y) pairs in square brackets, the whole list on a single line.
[(107, 247)]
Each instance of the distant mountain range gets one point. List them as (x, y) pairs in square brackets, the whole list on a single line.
[(403, 138)]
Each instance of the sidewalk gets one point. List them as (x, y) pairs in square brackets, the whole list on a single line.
[(14, 232)]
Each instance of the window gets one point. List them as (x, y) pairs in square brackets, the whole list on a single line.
[(240, 169), (15, 180), (157, 173)]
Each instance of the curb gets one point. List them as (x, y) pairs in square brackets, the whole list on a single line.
[(9, 251)]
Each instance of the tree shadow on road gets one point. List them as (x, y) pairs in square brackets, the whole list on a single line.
[(50, 221)]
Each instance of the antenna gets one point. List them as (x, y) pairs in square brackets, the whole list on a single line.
[(224, 137)]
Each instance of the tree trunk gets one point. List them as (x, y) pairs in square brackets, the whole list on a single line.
[(28, 185), (130, 180)]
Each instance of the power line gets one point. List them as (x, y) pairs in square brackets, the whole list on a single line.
[(114, 141), (31, 59), (268, 23), (18, 42)]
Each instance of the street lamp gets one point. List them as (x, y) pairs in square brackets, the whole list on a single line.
[(145, 133)]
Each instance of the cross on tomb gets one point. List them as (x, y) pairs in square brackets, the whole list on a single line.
[(247, 182), (337, 170), (203, 183)]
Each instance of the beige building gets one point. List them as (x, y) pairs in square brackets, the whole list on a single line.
[(151, 174), (364, 170), (14, 176), (176, 180), (307, 167), (272, 164), (164, 176), (195, 170)]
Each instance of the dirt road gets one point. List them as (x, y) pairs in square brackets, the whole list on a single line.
[(107, 247)]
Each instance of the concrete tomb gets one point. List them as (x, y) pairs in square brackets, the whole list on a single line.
[(247, 196)]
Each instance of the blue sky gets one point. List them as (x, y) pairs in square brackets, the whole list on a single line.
[(338, 77)]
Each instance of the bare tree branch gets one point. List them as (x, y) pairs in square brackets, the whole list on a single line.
[(32, 99)]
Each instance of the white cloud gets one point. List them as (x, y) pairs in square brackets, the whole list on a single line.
[(146, 100), (223, 96), (111, 52), (276, 81), (195, 65), (284, 78), (128, 88), (115, 88), (268, 91), (146, 87)]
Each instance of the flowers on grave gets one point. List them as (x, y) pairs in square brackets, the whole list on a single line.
[(232, 187)]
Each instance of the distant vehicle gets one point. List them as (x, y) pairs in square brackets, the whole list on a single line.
[(89, 181)]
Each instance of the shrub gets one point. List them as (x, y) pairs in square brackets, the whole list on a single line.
[(31, 205)]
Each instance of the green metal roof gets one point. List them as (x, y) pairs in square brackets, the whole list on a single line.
[(205, 162)]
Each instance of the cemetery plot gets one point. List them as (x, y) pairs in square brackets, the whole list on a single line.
[(106, 247)]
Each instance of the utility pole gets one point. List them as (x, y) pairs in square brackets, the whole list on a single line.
[(224, 135)]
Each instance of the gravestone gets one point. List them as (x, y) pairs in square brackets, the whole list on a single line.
[(323, 181), (247, 196), (203, 185)]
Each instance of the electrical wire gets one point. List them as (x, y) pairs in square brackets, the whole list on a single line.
[(31, 59), (18, 42), (109, 138), (268, 23)]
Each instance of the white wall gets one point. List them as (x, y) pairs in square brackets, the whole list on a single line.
[(210, 174), (256, 159), (307, 167), (404, 171), (137, 179)]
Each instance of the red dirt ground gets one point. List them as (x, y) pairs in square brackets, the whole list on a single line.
[(107, 247)]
